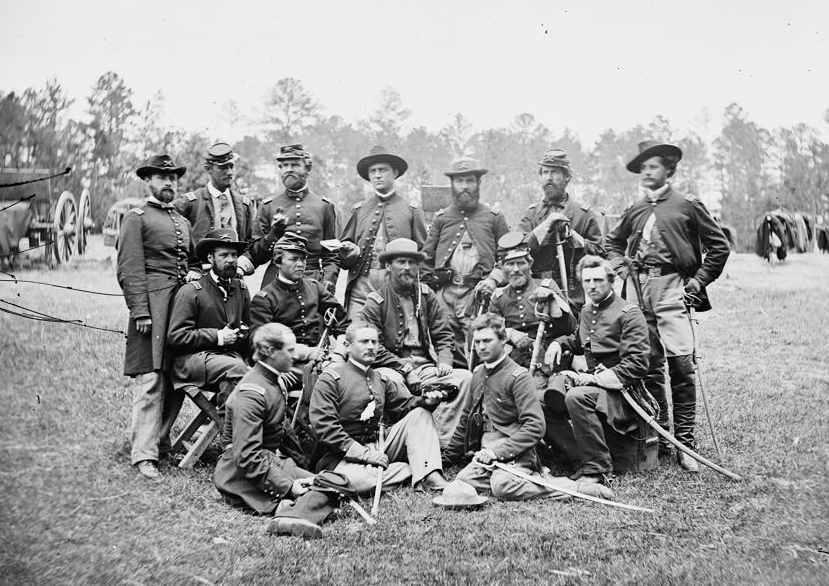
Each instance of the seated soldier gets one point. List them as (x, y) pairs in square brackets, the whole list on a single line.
[(209, 320), (348, 405), (262, 466), (517, 303), (502, 420), (613, 336), (416, 338)]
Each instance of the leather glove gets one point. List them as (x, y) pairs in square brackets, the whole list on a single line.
[(553, 355), (692, 286)]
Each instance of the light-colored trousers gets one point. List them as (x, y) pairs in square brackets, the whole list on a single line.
[(501, 483), (414, 437), (446, 415), (374, 281), (155, 407)]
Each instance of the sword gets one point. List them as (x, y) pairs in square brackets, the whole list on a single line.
[(539, 336), (691, 320), (567, 491), (656, 427), (378, 489)]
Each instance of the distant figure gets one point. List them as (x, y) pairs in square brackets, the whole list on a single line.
[(658, 243), (155, 257)]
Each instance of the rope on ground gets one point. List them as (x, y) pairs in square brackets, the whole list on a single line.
[(33, 314)]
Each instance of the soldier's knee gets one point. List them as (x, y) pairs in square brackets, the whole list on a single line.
[(504, 485), (577, 398), (681, 365)]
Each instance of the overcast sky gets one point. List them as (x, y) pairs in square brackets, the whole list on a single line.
[(586, 65)]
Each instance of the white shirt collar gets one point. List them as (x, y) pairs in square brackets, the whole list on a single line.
[(491, 365), (214, 276), (362, 367), (268, 367), (285, 280), (384, 196), (214, 191)]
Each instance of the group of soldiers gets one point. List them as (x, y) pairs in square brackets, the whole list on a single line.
[(464, 344)]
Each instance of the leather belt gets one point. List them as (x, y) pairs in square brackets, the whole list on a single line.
[(461, 280), (652, 271)]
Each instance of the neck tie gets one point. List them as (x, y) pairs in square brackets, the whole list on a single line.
[(225, 213)]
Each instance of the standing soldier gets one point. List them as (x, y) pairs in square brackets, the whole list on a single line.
[(298, 210), (217, 205), (460, 249), (379, 219), (557, 218), (155, 251), (661, 238)]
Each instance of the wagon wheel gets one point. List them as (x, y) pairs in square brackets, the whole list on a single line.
[(64, 228), (85, 223)]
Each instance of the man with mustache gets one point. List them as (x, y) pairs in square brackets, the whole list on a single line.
[(663, 236), (155, 257), (382, 217), (297, 209), (558, 217), (349, 403), (516, 303), (460, 249), (217, 204), (209, 320), (416, 339)]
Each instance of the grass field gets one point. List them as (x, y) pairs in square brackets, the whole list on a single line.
[(72, 510)]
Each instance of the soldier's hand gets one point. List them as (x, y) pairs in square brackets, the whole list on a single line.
[(228, 336), (413, 378), (692, 286), (553, 355), (581, 379), (619, 265), (541, 294), (444, 369), (376, 458), (144, 325), (301, 485), (431, 398), (524, 343), (576, 241), (192, 276), (244, 266), (279, 220), (486, 286), (485, 456)]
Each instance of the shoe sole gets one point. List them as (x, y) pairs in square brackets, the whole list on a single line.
[(295, 529)]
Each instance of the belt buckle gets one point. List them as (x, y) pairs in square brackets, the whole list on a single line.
[(457, 280)]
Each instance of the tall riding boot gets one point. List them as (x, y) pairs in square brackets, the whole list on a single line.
[(656, 385), (684, 395)]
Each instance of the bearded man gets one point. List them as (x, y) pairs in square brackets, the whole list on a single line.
[(460, 250), (558, 218), (301, 211)]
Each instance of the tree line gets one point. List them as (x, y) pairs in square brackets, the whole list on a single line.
[(748, 169)]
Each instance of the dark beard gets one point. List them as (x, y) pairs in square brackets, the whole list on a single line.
[(293, 182), (552, 195), (470, 203)]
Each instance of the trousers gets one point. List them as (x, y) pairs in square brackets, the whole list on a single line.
[(672, 344), (446, 415), (155, 406), (413, 450), (362, 286)]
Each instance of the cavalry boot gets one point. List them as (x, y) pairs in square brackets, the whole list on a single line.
[(684, 393), (655, 383)]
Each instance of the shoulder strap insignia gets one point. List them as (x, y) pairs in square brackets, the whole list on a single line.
[(267, 200), (326, 200), (190, 196), (196, 285), (584, 207), (252, 387), (375, 296), (495, 211), (628, 307), (425, 289), (690, 197), (548, 283), (518, 371), (138, 211), (332, 372)]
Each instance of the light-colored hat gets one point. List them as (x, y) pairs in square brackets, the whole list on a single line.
[(459, 495), (401, 247)]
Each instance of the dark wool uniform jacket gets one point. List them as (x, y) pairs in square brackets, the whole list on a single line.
[(342, 393), (485, 227), (155, 251), (400, 218), (384, 312), (583, 221), (250, 468), (687, 229), (301, 307), (197, 207), (200, 311), (613, 333), (511, 404), (310, 215)]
